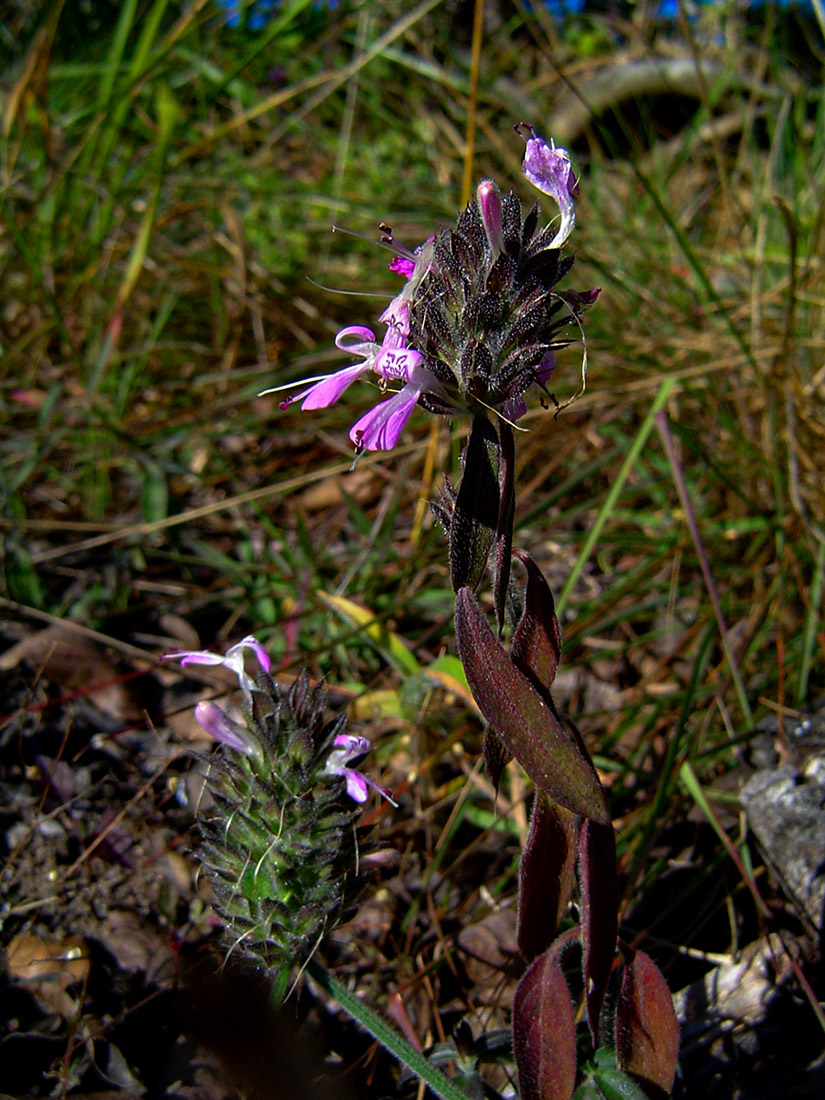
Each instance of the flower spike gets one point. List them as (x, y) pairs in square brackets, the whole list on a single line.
[(479, 319), (279, 833)]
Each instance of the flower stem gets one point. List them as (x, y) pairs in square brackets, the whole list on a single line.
[(386, 1035)]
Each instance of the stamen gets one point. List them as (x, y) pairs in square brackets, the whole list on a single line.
[(293, 385), (501, 416), (390, 244), (348, 293)]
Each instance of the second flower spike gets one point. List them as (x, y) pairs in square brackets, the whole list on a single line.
[(279, 838)]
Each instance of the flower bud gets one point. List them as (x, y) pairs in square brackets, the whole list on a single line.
[(490, 206), (221, 727)]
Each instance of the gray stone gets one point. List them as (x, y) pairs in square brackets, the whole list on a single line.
[(786, 812)]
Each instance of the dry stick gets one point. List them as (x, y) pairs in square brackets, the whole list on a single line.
[(209, 509), (85, 632)]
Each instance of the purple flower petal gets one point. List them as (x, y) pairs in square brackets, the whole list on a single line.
[(326, 392), (233, 659), (397, 316), (402, 266), (357, 787), (365, 340), (397, 363), (251, 642), (348, 746), (490, 205), (355, 340), (380, 428), (549, 169), (579, 300), (222, 728), (196, 657), (514, 407), (406, 265), (546, 368)]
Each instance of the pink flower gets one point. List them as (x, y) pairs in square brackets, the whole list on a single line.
[(220, 726), (233, 659), (381, 427), (549, 169), (402, 265), (392, 360), (349, 747)]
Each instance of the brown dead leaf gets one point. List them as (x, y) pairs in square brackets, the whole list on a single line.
[(68, 659), (137, 945), (362, 485), (184, 634), (489, 950), (31, 958)]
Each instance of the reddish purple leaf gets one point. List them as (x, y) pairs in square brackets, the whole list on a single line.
[(647, 1031), (496, 756), (537, 640), (544, 1030), (600, 914), (547, 875), (522, 719)]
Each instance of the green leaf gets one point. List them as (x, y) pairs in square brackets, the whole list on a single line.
[(154, 494), (166, 107), (587, 1090), (386, 1035), (22, 580), (615, 1085)]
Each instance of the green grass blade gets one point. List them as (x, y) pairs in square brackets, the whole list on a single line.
[(386, 1035), (812, 620)]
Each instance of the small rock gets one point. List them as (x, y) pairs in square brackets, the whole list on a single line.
[(786, 812)]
